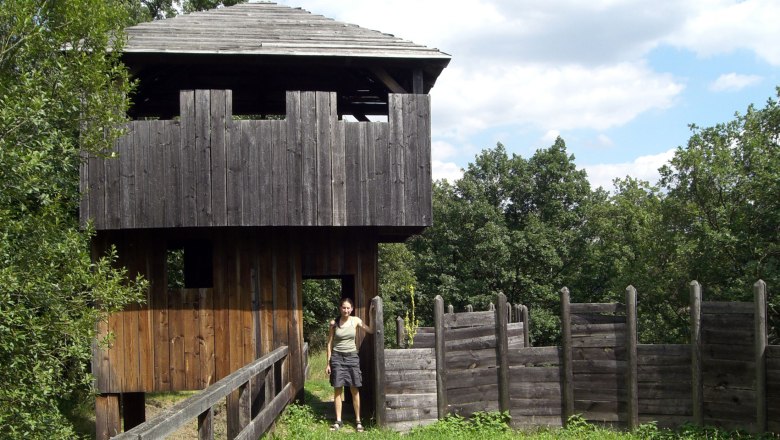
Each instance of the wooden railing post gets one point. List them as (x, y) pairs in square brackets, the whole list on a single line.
[(697, 396), (441, 367), (399, 332), (762, 340), (631, 347), (206, 425), (502, 355), (450, 309), (379, 361), (568, 372), (526, 327), (469, 308)]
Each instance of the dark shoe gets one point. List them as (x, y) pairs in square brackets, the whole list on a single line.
[(336, 426)]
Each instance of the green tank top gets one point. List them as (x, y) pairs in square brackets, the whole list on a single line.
[(344, 337)]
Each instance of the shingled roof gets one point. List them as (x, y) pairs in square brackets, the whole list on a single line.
[(269, 29), (261, 50)]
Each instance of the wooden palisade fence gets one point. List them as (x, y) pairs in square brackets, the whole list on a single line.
[(727, 375)]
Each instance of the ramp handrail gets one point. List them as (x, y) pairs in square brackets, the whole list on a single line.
[(201, 405)]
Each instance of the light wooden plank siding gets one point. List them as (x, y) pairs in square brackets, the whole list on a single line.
[(308, 170), (773, 387)]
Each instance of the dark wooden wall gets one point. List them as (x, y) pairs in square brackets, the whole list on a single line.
[(310, 169), (186, 339)]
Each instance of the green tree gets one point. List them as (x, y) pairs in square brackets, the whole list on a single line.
[(61, 92)]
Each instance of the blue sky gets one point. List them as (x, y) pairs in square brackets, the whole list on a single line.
[(618, 80)]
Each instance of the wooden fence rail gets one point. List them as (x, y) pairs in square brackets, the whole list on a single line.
[(727, 376), (258, 408)]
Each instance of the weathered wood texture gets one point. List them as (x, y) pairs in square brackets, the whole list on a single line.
[(773, 387), (410, 388), (201, 405), (310, 169), (186, 339)]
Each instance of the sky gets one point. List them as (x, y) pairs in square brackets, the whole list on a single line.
[(619, 80)]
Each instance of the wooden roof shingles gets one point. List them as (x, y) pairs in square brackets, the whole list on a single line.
[(269, 29)]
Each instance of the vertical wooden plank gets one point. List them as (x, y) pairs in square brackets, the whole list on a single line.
[(235, 320), (309, 157), (450, 309), (383, 173), (172, 165), (244, 405), (113, 190), (411, 167), (696, 379), (352, 170), (191, 327), (96, 190), (222, 330), (236, 192), (176, 318), (502, 352), (295, 336), (399, 332), (156, 173), (293, 177), (425, 178), (116, 358), (567, 386), (267, 314), (247, 329), (220, 139), (339, 172), (281, 292), (632, 383), (441, 367), (107, 419), (146, 329), (206, 425), (159, 306), (762, 340), (417, 81), (206, 338), (100, 360), (130, 317), (379, 361), (371, 190), (279, 161), (526, 327), (142, 187), (127, 179), (325, 126), (264, 135), (203, 179), (250, 158), (189, 215), (396, 143)]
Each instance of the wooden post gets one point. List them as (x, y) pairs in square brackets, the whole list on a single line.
[(450, 309), (206, 425), (696, 380), (469, 308), (379, 361), (631, 348), (107, 420), (244, 405), (759, 293), (492, 307), (526, 327), (509, 312), (568, 371), (441, 367), (399, 332), (502, 353)]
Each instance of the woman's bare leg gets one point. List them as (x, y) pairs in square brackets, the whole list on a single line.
[(337, 392), (356, 402)]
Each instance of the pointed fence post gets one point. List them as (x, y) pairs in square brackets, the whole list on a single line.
[(441, 367), (697, 396), (759, 293), (526, 326), (469, 308), (631, 346), (568, 371), (379, 361), (399, 332), (502, 349), (450, 309)]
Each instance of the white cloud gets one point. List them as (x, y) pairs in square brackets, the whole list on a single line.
[(551, 136), (732, 82), (643, 167), (449, 171), (722, 26)]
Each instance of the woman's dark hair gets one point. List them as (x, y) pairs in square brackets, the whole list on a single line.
[(342, 301)]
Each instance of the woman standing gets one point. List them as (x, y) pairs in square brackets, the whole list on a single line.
[(343, 362)]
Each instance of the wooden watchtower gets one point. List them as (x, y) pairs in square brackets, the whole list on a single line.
[(239, 177)]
